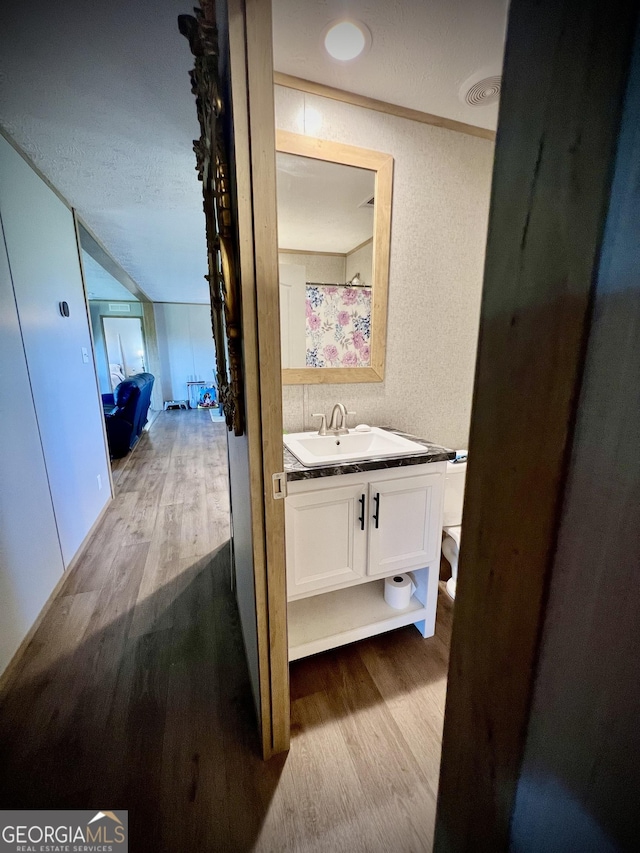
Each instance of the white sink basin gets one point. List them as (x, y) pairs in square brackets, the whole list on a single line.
[(314, 450)]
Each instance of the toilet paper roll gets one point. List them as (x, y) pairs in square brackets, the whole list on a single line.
[(398, 591)]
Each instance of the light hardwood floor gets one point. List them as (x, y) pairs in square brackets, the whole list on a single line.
[(134, 691)]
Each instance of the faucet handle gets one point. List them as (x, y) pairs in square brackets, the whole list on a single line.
[(323, 423)]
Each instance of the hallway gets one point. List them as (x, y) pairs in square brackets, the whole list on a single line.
[(134, 692)]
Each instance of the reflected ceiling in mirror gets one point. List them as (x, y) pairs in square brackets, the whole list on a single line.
[(323, 206), (334, 210)]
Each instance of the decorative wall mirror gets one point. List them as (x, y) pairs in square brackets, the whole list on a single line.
[(213, 170), (334, 229)]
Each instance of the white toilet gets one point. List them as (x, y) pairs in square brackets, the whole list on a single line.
[(452, 517)]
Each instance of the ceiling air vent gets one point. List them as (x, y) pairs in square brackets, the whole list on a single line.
[(481, 91)]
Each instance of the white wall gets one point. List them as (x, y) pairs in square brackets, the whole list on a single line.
[(326, 269), (293, 322), (30, 556), (441, 190), (239, 489), (360, 260), (43, 256), (185, 344)]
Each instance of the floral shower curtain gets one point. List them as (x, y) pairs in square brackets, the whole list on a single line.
[(338, 325)]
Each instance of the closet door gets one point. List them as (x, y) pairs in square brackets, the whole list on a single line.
[(42, 248), (30, 557)]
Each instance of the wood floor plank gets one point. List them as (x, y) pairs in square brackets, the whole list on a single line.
[(378, 747), (94, 566), (195, 535), (175, 485), (153, 609), (413, 686), (42, 697), (194, 765), (328, 790), (134, 691)]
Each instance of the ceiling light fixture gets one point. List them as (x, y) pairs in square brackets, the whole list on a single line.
[(346, 40)]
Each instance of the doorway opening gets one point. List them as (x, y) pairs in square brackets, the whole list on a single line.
[(125, 348)]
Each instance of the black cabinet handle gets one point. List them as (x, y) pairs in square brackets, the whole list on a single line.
[(376, 514), (361, 519)]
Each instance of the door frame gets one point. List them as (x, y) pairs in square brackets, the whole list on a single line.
[(551, 188), (252, 96), (553, 167)]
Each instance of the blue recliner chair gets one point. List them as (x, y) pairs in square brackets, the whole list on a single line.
[(126, 412)]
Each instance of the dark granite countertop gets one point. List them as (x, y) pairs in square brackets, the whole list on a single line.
[(432, 453)]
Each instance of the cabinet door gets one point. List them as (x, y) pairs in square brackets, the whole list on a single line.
[(326, 538), (404, 523)]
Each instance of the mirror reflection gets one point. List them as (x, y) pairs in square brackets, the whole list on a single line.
[(325, 233)]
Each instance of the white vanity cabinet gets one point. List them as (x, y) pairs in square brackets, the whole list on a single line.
[(344, 535), (325, 538)]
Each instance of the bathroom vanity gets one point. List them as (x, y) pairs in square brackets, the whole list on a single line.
[(351, 524)]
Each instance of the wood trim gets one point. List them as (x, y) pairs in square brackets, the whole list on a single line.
[(154, 365), (6, 677), (259, 30), (237, 60), (308, 252), (332, 152), (290, 82), (76, 226), (380, 267), (551, 188), (250, 66), (329, 375), (382, 165), (359, 246)]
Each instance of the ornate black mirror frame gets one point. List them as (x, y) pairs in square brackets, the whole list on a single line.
[(213, 170)]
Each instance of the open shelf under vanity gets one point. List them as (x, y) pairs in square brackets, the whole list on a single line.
[(332, 619)]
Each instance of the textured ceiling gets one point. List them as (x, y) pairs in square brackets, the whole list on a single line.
[(421, 50), (98, 95), (101, 284), (320, 204)]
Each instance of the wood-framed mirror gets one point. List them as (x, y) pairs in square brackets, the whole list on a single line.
[(334, 232)]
